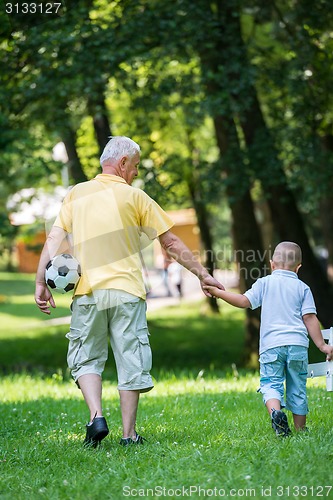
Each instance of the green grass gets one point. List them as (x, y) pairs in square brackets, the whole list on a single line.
[(206, 425), (207, 433)]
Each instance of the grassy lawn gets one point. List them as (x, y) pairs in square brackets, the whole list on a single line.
[(211, 434), (207, 429)]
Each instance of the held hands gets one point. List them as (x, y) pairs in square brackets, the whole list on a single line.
[(212, 290), (210, 285), (44, 298)]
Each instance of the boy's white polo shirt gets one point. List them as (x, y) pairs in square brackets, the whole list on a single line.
[(284, 299), (111, 222)]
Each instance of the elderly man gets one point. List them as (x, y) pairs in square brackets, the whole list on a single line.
[(105, 219)]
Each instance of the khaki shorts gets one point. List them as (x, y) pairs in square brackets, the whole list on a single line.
[(117, 315)]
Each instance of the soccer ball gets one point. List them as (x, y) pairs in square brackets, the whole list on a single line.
[(62, 273)]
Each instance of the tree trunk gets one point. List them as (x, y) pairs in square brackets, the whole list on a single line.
[(101, 123), (206, 237), (326, 219), (249, 252), (75, 167), (205, 233), (198, 198), (290, 226), (326, 211), (286, 217)]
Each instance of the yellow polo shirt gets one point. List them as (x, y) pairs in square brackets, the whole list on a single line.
[(108, 220)]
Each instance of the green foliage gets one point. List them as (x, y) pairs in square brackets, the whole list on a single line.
[(165, 71), (292, 49), (87, 148)]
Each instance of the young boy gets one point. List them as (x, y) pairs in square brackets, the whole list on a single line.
[(288, 315)]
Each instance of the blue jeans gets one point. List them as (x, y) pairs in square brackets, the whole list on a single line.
[(285, 364)]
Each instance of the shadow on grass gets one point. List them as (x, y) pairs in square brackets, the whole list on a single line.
[(199, 343), (17, 301), (43, 352), (182, 341), (180, 344), (16, 284), (31, 311)]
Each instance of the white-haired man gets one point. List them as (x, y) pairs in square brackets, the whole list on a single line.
[(105, 218)]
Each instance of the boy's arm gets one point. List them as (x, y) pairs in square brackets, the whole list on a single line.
[(313, 327), (235, 299)]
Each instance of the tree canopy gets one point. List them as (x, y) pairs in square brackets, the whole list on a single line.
[(230, 101)]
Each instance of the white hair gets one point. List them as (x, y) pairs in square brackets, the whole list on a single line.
[(119, 146)]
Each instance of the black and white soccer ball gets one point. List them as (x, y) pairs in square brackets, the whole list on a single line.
[(62, 273)]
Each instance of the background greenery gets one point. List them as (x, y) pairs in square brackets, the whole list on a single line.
[(231, 103)]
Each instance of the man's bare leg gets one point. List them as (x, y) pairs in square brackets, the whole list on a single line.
[(91, 388), (129, 401)]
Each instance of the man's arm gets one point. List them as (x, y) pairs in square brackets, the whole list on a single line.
[(43, 296), (313, 327), (176, 249)]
